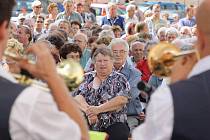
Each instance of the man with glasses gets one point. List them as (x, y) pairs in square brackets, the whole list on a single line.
[(120, 51), (37, 9)]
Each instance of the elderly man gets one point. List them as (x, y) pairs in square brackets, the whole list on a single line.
[(120, 50), (49, 115), (112, 18), (82, 41), (37, 9), (182, 112), (69, 13), (137, 52)]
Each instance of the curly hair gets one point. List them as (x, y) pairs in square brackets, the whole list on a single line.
[(68, 48)]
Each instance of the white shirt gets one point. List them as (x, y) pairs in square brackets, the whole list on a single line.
[(35, 116), (134, 19), (160, 112)]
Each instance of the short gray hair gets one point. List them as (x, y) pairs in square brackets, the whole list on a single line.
[(116, 41), (112, 4), (67, 1), (106, 33), (173, 31), (185, 44), (136, 42), (130, 6), (162, 30), (104, 51), (82, 34)]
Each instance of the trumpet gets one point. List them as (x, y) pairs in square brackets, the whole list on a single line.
[(69, 70), (162, 57)]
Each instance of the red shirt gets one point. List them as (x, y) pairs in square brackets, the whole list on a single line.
[(142, 65)]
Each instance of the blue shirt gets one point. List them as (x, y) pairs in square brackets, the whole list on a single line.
[(116, 21), (85, 57), (187, 22)]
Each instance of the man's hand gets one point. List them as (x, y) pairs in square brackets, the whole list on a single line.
[(142, 116), (45, 67)]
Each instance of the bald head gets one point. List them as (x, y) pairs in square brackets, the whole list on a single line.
[(202, 17), (203, 28)]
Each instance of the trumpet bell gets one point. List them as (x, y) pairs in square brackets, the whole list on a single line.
[(71, 72), (161, 58)]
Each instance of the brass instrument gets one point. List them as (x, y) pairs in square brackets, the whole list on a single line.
[(162, 57), (69, 70)]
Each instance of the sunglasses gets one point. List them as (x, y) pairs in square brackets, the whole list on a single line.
[(39, 22), (38, 7)]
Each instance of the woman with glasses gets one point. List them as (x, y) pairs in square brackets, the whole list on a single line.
[(103, 96)]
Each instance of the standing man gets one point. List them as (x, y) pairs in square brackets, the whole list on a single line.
[(37, 9), (180, 111), (190, 19), (155, 22), (112, 18), (69, 13), (29, 112)]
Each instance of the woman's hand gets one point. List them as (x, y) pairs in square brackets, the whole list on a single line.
[(93, 111), (92, 119)]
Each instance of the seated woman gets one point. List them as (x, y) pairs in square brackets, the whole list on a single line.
[(71, 51), (103, 96)]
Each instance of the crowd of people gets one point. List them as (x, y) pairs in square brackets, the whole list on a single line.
[(113, 55)]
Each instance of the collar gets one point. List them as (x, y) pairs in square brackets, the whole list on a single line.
[(200, 67), (108, 17), (93, 73), (120, 68), (6, 75)]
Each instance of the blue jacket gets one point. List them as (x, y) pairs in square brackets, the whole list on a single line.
[(117, 21), (133, 76)]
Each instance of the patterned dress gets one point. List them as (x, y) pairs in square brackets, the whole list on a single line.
[(115, 85)]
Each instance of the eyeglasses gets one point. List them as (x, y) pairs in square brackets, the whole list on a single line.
[(79, 41), (38, 7), (119, 52)]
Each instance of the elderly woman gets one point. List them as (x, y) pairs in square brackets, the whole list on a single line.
[(171, 34), (161, 34), (103, 96), (130, 16)]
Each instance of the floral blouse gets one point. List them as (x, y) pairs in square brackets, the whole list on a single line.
[(115, 85)]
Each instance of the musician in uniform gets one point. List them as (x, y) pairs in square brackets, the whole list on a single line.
[(181, 111), (29, 112)]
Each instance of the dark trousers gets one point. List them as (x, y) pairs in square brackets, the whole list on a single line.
[(118, 131)]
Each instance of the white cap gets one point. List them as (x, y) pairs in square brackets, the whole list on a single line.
[(21, 16), (36, 3)]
